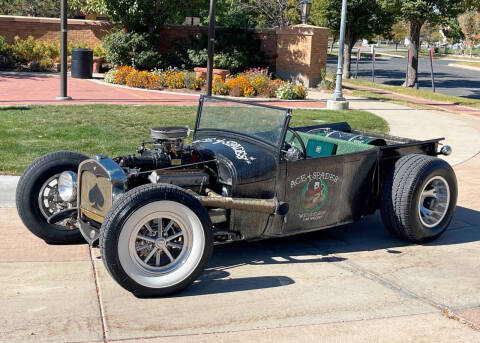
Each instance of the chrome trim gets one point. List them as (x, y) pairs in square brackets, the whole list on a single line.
[(117, 177)]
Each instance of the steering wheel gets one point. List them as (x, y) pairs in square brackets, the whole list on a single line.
[(296, 136)]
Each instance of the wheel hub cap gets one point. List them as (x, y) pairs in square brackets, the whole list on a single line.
[(434, 201)]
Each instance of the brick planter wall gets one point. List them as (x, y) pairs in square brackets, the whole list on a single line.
[(86, 31), (296, 53)]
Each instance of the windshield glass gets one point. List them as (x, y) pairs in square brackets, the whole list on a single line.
[(264, 123)]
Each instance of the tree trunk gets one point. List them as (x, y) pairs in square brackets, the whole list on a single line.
[(414, 38), (350, 40)]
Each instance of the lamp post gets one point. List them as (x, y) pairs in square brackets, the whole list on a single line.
[(211, 42), (63, 52), (338, 101), (305, 7)]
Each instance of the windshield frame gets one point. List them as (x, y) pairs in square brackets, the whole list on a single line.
[(288, 115)]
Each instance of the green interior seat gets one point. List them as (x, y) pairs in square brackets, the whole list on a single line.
[(320, 146)]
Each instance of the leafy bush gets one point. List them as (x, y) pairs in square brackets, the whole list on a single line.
[(219, 87), (238, 85), (290, 91), (191, 82), (131, 49), (45, 64), (110, 76), (174, 80), (272, 87), (301, 91), (235, 50), (121, 74)]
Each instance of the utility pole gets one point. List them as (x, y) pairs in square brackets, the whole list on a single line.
[(63, 52), (338, 101), (211, 42)]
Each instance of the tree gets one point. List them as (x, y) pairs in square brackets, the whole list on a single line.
[(365, 19), (417, 13), (453, 31), (147, 15), (430, 34), (88, 6), (32, 8), (470, 25), (273, 13), (399, 31)]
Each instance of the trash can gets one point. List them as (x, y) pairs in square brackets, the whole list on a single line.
[(82, 63)]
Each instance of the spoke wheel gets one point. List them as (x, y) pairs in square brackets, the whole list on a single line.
[(160, 243), (49, 201)]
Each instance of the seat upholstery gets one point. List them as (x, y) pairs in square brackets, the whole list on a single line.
[(320, 146)]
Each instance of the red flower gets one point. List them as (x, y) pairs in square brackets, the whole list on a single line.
[(124, 30)]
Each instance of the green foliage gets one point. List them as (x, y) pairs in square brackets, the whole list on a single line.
[(88, 6), (147, 15), (433, 11), (30, 49), (33, 8), (365, 18), (131, 49), (235, 50), (453, 31)]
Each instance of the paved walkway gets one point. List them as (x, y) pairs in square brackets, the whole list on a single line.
[(351, 284), (41, 89)]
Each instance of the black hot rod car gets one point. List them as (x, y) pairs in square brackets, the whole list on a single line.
[(246, 175)]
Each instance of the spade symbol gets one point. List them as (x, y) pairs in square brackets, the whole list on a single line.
[(96, 198)]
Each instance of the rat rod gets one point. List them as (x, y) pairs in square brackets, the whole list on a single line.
[(246, 175)]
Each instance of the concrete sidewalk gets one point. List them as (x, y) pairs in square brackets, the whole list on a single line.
[(355, 283)]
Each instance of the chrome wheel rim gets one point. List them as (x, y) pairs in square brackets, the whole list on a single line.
[(190, 235), (49, 200), (434, 201), (160, 243)]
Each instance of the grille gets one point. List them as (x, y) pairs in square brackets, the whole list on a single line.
[(95, 195)]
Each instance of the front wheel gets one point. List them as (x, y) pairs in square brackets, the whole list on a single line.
[(156, 240), (38, 198), (419, 198)]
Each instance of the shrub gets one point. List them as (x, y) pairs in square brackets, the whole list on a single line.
[(45, 64), (290, 91), (131, 49), (191, 82), (271, 88), (110, 76), (301, 91), (235, 50), (286, 92), (238, 85), (174, 80), (139, 79), (219, 87), (121, 74)]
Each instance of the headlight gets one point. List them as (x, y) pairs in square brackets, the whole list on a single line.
[(67, 186)]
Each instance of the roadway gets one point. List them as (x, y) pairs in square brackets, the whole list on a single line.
[(391, 71)]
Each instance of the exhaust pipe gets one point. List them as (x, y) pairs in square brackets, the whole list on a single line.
[(269, 206)]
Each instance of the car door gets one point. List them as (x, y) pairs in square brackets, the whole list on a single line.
[(327, 191)]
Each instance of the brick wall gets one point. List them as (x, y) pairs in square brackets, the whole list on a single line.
[(86, 31)]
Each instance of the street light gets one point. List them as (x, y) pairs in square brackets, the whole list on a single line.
[(63, 52), (305, 6), (338, 101)]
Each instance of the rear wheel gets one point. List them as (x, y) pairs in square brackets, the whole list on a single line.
[(37, 197), (419, 198), (156, 240)]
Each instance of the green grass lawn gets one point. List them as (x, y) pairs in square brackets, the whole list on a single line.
[(423, 94), (29, 131)]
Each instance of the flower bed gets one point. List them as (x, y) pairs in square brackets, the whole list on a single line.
[(250, 83)]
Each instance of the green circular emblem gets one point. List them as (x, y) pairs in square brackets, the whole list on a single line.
[(314, 195)]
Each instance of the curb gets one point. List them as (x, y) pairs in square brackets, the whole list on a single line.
[(255, 99)]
